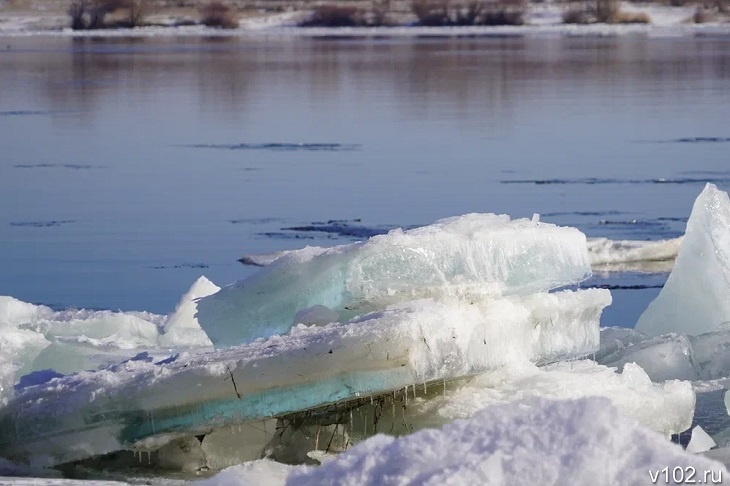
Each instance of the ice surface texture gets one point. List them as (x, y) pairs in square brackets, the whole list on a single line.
[(137, 401), (531, 442), (696, 297), (35, 338), (471, 255)]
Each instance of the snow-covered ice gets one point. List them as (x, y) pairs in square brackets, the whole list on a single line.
[(469, 256), (125, 405), (696, 297), (537, 441), (605, 255), (34, 338)]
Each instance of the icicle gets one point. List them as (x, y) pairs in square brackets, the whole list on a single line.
[(414, 391), (149, 457), (424, 387), (371, 399), (444, 387), (316, 439)]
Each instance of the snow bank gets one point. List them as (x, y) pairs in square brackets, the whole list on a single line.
[(119, 407), (696, 297), (468, 256), (537, 441), (667, 408)]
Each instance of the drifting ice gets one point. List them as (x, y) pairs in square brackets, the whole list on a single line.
[(474, 255), (696, 297)]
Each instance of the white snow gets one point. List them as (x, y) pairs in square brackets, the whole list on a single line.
[(181, 327), (696, 297), (534, 441), (468, 256), (255, 473), (667, 408)]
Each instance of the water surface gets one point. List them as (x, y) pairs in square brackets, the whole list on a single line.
[(131, 166)]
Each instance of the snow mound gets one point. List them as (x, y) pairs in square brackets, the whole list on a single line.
[(534, 441), (696, 297), (667, 408)]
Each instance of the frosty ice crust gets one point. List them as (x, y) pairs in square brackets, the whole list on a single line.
[(141, 402), (469, 256), (696, 297)]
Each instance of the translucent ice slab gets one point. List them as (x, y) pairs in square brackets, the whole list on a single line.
[(144, 404), (470, 256), (696, 297)]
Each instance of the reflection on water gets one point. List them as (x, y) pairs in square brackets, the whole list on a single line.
[(379, 130)]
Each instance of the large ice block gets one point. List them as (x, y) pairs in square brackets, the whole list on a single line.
[(666, 357), (471, 255), (140, 402), (696, 297)]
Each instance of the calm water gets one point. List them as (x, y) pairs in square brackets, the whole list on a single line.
[(128, 167)]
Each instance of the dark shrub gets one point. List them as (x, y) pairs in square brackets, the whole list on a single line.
[(217, 14)]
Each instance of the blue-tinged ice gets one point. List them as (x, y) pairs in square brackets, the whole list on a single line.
[(696, 297), (143, 403), (474, 255)]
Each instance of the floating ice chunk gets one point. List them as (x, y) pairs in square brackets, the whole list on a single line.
[(696, 297), (472, 255), (530, 442), (94, 413), (711, 352), (14, 312), (182, 328), (700, 441), (664, 357), (615, 339), (633, 255), (90, 339), (18, 346)]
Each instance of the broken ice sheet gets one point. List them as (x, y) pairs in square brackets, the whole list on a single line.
[(468, 256), (130, 404)]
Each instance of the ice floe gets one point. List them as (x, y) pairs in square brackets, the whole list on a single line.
[(471, 255), (696, 297)]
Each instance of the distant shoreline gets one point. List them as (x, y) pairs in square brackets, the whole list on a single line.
[(22, 18)]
